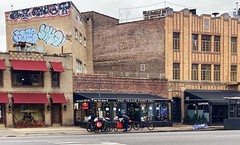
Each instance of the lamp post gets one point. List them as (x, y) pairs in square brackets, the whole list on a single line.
[(99, 97)]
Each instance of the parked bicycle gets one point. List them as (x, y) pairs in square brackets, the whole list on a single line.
[(99, 124), (120, 125), (142, 124)]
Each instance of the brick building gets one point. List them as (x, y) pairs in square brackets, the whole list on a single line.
[(53, 29), (38, 84), (192, 52)]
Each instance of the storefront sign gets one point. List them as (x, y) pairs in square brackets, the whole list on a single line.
[(85, 106)]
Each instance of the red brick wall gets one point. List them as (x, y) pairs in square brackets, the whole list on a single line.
[(123, 47), (90, 83)]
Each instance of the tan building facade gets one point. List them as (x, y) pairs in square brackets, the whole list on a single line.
[(37, 84), (53, 29)]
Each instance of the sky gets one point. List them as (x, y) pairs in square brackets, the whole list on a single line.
[(125, 10)]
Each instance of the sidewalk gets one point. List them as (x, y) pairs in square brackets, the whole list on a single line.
[(73, 130)]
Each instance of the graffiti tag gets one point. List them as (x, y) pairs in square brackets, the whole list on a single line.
[(61, 9), (50, 35), (25, 35), (47, 33)]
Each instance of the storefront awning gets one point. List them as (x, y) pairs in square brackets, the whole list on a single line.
[(29, 65), (79, 97), (57, 66), (211, 96), (2, 64), (30, 98), (58, 98), (4, 98)]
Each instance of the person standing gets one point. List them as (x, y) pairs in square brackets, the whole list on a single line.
[(126, 120)]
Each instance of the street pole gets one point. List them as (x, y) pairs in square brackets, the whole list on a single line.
[(99, 97)]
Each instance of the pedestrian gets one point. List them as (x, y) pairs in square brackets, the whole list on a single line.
[(126, 120)]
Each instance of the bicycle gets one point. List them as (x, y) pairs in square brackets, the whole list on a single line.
[(120, 125), (142, 124)]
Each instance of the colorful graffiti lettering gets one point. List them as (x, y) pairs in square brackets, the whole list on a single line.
[(61, 9), (25, 35), (47, 33), (50, 35)]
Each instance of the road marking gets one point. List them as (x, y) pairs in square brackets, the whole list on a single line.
[(77, 143)]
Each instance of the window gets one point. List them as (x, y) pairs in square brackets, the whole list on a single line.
[(195, 42), (1, 77), (233, 73), (142, 67), (85, 42), (206, 72), (176, 41), (84, 68), (216, 73), (176, 71), (55, 79), (234, 45), (206, 43), (216, 44), (194, 71), (76, 33), (27, 78), (79, 66), (80, 37)]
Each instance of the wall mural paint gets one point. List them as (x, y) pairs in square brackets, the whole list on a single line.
[(47, 33), (61, 9)]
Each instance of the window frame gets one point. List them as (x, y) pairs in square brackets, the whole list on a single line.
[(195, 42), (206, 43), (176, 71), (233, 73), (217, 40), (57, 75), (194, 76), (233, 45), (176, 41), (206, 72), (216, 72), (27, 78)]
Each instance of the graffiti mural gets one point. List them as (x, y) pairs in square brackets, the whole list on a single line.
[(51, 35), (47, 33), (61, 9), (25, 35)]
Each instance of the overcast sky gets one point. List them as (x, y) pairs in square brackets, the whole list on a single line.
[(121, 9)]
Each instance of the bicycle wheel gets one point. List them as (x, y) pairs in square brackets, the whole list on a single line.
[(115, 128), (150, 126), (109, 127), (90, 127), (136, 126)]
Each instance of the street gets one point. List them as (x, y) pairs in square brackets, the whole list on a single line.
[(222, 137)]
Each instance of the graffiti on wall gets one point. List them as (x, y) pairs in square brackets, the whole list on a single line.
[(47, 33), (61, 9)]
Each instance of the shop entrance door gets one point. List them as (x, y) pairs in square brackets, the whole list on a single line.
[(56, 114), (1, 114), (176, 110), (219, 113)]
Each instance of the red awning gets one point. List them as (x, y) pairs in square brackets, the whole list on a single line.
[(57, 66), (2, 64), (29, 65), (58, 98), (4, 98), (30, 98)]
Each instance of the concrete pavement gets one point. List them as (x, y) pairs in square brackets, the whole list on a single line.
[(73, 130)]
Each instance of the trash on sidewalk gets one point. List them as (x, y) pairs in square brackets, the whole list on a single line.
[(199, 126)]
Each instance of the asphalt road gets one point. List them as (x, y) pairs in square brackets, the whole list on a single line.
[(223, 137)]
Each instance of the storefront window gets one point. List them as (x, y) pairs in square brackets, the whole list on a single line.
[(162, 112), (30, 113)]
